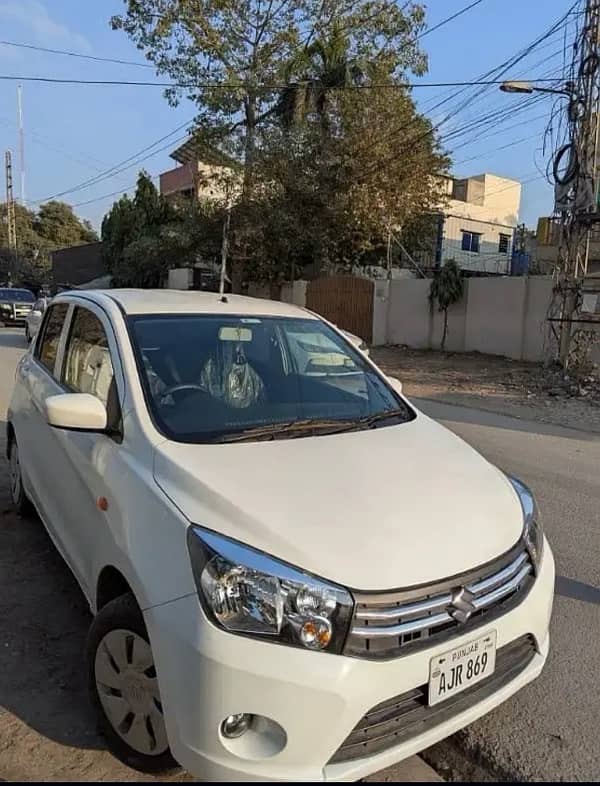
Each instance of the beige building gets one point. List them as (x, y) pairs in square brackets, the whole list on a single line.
[(547, 243), (477, 226), (203, 173)]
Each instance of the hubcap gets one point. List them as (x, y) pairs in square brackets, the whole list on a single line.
[(128, 690), (15, 474)]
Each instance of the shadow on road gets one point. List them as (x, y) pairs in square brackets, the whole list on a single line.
[(577, 590), (479, 415), (12, 337), (43, 624)]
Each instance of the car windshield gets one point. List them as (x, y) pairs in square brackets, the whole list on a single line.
[(16, 296), (214, 378)]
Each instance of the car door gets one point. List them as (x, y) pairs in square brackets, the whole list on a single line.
[(37, 378), (90, 365)]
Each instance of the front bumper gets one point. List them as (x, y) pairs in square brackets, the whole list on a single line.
[(13, 318), (206, 674)]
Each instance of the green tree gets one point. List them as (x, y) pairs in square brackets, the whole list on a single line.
[(319, 69), (332, 198), (38, 234), (447, 287), (144, 236), (60, 227), (254, 43), (254, 46), (130, 237)]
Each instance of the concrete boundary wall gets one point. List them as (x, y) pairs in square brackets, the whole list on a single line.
[(497, 316)]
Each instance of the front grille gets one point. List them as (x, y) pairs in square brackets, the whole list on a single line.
[(408, 715), (386, 625)]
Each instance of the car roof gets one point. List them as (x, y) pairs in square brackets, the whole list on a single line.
[(175, 301)]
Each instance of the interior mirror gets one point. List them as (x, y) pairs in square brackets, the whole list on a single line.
[(396, 384), (76, 411)]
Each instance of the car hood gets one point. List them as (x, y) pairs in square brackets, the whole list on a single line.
[(379, 509)]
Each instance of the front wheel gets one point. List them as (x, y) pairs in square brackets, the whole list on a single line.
[(20, 499), (124, 687)]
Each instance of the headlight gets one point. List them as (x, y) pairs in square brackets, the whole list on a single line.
[(247, 592), (532, 528)]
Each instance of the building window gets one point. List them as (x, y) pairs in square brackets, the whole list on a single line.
[(504, 243), (471, 241)]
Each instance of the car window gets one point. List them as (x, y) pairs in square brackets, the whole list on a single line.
[(210, 377), (315, 352), (88, 366), (47, 348)]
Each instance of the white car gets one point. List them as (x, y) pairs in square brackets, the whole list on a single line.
[(295, 574), (33, 320)]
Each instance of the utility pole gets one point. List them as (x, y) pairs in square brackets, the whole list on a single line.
[(576, 191), (10, 217), (21, 142), (389, 255)]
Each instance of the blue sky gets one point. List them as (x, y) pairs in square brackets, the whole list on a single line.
[(75, 132)]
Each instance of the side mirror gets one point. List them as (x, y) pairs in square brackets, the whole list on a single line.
[(396, 384), (76, 412), (35, 312)]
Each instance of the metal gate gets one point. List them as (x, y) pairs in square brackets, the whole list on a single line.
[(347, 301)]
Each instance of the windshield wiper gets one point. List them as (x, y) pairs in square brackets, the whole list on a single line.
[(310, 427), (275, 430)]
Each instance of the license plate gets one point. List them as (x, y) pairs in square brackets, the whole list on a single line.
[(458, 669)]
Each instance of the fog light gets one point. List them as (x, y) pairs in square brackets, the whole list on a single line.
[(235, 725)]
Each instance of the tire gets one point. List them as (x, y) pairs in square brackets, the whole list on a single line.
[(20, 500), (123, 687)]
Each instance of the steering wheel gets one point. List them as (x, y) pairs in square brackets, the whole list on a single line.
[(183, 388)]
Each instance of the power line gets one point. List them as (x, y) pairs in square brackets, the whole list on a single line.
[(76, 54), (127, 163), (449, 19), (498, 71), (242, 85), (107, 196), (485, 153)]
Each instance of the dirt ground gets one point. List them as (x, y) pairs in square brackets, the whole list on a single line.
[(496, 384)]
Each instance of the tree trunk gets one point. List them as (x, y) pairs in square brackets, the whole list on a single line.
[(236, 266), (249, 145), (445, 333)]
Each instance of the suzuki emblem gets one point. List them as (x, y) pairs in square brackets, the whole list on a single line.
[(461, 607)]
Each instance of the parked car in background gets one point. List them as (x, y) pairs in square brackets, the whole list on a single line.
[(245, 499), (34, 318), (15, 305)]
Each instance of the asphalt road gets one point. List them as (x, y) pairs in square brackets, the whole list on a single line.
[(547, 732)]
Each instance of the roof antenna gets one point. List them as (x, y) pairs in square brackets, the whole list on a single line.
[(224, 245)]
